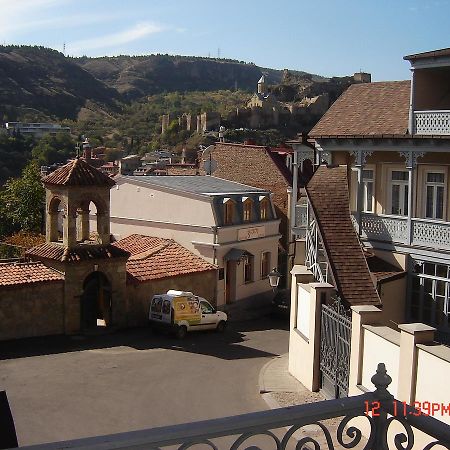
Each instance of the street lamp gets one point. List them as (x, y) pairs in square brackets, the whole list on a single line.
[(274, 278)]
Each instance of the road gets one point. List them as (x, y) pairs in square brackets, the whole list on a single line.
[(65, 388)]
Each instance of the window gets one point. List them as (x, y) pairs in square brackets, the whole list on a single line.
[(265, 208), (206, 308), (399, 192), (248, 269), (248, 206), (430, 295), (265, 264), (228, 212), (368, 190), (434, 195)]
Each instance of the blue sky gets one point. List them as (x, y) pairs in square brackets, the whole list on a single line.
[(327, 37)]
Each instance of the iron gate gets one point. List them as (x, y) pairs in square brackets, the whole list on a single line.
[(335, 336)]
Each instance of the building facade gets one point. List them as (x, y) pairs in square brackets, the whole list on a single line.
[(230, 225), (394, 139)]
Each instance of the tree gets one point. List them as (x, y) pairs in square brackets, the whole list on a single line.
[(53, 149), (22, 201)]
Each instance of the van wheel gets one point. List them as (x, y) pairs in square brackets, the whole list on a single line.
[(221, 326), (181, 332)]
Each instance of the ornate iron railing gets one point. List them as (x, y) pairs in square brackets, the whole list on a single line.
[(432, 122), (287, 428)]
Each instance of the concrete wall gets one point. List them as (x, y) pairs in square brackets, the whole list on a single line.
[(33, 310), (140, 295)]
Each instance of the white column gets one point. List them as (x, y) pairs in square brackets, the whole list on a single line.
[(411, 129), (410, 203)]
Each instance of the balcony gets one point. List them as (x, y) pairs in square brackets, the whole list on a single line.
[(432, 122), (428, 233), (301, 220)]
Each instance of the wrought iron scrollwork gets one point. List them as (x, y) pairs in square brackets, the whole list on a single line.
[(244, 437)]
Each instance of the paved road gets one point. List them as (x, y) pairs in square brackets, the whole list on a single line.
[(65, 388)]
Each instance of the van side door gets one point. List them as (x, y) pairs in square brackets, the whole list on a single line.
[(209, 316)]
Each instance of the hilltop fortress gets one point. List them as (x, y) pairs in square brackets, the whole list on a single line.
[(266, 108)]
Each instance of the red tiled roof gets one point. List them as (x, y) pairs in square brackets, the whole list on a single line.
[(14, 274), (328, 194), (367, 109), (155, 258), (432, 54), (58, 252), (78, 173)]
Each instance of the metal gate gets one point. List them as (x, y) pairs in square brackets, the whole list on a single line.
[(335, 336)]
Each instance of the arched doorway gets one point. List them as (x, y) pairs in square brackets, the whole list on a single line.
[(95, 302)]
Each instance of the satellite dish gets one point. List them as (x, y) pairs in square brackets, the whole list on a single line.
[(210, 166)]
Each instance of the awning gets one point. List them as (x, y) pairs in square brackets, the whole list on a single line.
[(236, 254)]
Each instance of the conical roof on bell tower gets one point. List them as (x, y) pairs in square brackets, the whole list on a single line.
[(78, 173)]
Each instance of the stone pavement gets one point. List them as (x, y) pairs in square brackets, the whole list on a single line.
[(280, 389)]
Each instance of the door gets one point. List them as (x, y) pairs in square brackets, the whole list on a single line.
[(230, 282), (209, 316), (95, 302), (399, 193), (335, 335)]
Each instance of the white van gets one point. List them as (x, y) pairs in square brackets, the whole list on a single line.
[(181, 312)]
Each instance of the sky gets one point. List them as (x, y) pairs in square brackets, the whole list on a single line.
[(325, 37)]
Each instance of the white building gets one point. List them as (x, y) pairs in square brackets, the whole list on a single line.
[(231, 225), (35, 129)]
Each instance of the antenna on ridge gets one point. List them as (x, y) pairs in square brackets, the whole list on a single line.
[(64, 49)]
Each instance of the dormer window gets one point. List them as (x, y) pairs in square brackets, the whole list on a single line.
[(247, 204), (228, 211), (264, 208)]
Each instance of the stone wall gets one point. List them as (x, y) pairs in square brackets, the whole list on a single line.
[(33, 310), (139, 295)]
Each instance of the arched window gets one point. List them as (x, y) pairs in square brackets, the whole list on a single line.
[(247, 205), (56, 216), (228, 211), (264, 209)]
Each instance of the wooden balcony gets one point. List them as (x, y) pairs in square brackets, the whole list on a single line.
[(432, 122), (433, 234)]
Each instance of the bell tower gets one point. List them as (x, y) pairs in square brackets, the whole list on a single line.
[(262, 87), (78, 245), (70, 192)]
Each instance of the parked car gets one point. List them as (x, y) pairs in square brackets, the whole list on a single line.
[(180, 312), (281, 303)]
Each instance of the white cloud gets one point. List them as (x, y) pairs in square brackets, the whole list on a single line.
[(18, 15), (134, 33)]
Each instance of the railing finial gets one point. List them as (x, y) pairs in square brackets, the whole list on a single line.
[(381, 380)]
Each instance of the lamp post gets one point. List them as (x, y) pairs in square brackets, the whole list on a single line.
[(274, 278)]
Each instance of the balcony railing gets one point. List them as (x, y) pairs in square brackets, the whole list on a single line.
[(287, 428), (301, 220), (432, 122), (424, 232)]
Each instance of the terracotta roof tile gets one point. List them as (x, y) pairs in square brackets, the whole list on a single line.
[(78, 173), (328, 194), (155, 258), (367, 109), (58, 252), (13, 274)]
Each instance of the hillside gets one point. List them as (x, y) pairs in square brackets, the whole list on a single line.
[(139, 76), (43, 80)]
